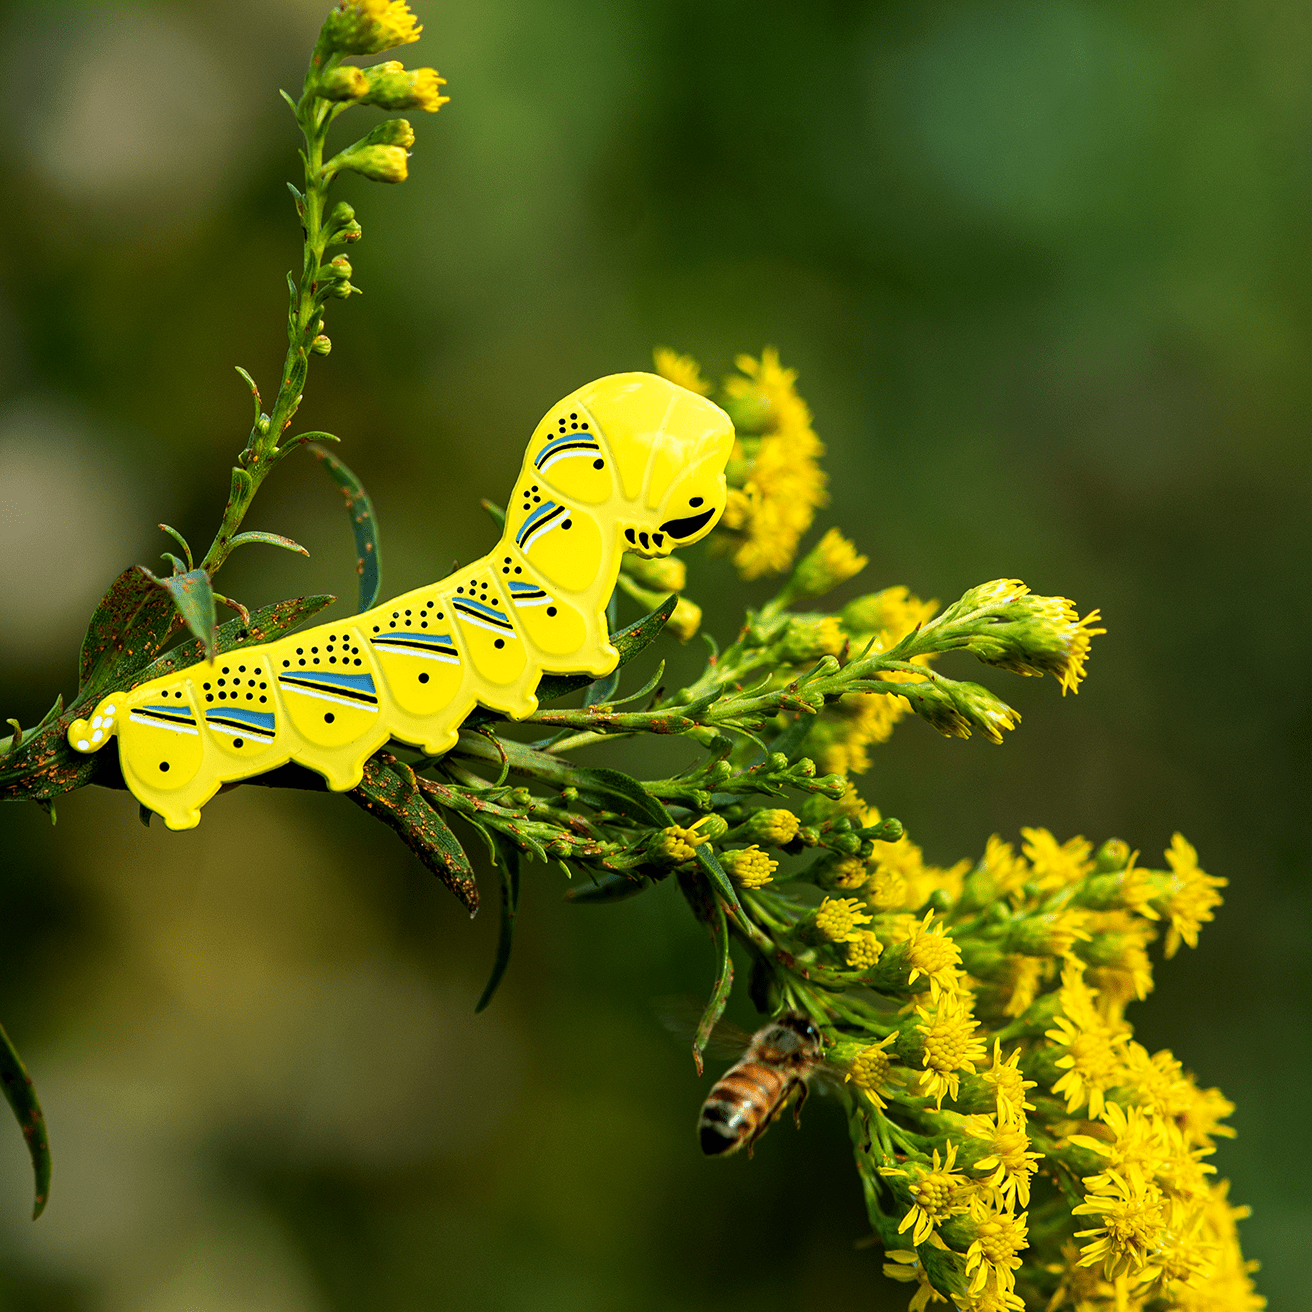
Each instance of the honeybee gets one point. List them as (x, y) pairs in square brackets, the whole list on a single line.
[(781, 1059)]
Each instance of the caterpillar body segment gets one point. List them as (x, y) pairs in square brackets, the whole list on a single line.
[(630, 462)]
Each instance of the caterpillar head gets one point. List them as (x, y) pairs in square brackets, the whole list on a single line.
[(92, 734), (648, 455)]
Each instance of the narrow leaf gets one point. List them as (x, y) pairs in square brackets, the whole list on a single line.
[(649, 686), (269, 539), (608, 888), (497, 515), (723, 986), (364, 525), (710, 863), (266, 624), (250, 382), (612, 790), (600, 692), (21, 1097), (182, 542), (507, 866), (127, 629), (398, 803), (629, 642), (193, 598)]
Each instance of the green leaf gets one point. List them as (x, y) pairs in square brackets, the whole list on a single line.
[(612, 790), (393, 796), (710, 863), (608, 888), (21, 1096), (127, 629), (193, 598), (182, 542), (267, 623), (497, 515), (507, 866), (723, 986), (364, 525), (629, 642), (269, 539)]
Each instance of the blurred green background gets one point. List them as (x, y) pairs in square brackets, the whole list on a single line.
[(1043, 268)]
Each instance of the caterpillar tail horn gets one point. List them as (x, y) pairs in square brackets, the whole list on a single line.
[(91, 735)]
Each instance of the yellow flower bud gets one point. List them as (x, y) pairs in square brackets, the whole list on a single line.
[(833, 560), (849, 872), (676, 844), (392, 86), (806, 639), (662, 574), (771, 825), (368, 27), (838, 919), (343, 83), (750, 867), (863, 950)]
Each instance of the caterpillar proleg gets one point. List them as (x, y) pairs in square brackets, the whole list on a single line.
[(630, 462)]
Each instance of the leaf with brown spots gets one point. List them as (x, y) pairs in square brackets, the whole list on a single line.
[(21, 1096)]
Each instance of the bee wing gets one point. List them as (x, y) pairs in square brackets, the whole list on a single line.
[(682, 1014)]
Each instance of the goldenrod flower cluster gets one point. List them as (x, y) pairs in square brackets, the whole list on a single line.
[(1003, 1079), (776, 483)]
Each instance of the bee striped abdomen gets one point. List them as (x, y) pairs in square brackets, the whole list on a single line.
[(740, 1105)]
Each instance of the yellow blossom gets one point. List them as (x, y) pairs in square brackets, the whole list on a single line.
[(1093, 1057), (870, 1068), (1010, 1157), (837, 919), (368, 27), (682, 370), (1056, 865), (750, 867), (833, 560), (1133, 1223), (776, 456), (1007, 870), (1024, 974), (863, 950), (1229, 1286), (950, 1046), (940, 1192), (1008, 1084), (905, 1266), (994, 1254), (1191, 897), (931, 951), (676, 844), (849, 872), (807, 637)]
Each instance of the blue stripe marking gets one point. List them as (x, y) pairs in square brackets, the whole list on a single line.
[(181, 714), (523, 587), (483, 612), (567, 439), (527, 527), (355, 682), (255, 719), (425, 639)]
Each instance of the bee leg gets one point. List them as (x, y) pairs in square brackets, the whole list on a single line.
[(801, 1099)]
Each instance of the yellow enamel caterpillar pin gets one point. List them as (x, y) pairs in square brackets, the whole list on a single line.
[(628, 463)]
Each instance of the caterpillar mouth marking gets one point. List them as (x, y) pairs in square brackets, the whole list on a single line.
[(685, 528)]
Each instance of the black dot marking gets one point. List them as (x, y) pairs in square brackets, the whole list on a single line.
[(573, 415), (316, 660), (628, 533), (241, 669), (694, 501), (207, 687), (396, 614), (332, 660), (460, 589), (301, 661), (423, 678), (505, 569), (209, 696), (658, 538), (642, 537), (250, 696), (285, 664), (300, 651), (391, 624), (225, 669), (517, 571), (164, 765), (534, 488), (264, 699), (584, 424), (313, 650), (440, 615), (407, 612), (551, 610), (499, 643), (222, 682), (238, 742), (262, 687), (599, 464), (328, 717), (569, 523), (375, 628), (423, 624), (574, 425), (357, 662)]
